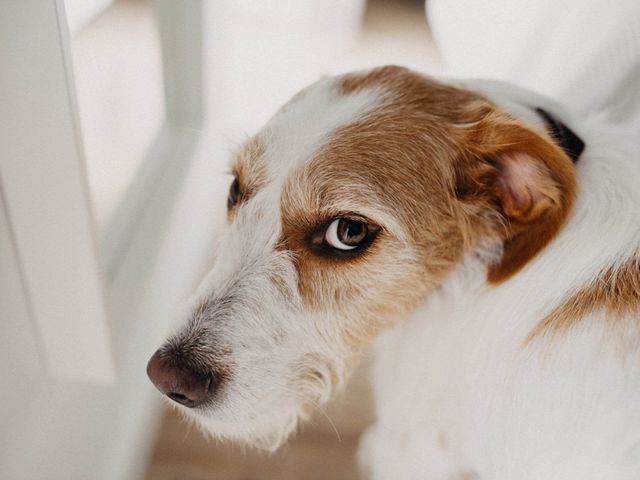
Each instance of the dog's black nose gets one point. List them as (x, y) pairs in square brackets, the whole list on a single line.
[(179, 382)]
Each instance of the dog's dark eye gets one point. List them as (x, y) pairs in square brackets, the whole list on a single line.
[(234, 194), (346, 234)]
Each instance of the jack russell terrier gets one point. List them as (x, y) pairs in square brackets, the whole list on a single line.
[(482, 239)]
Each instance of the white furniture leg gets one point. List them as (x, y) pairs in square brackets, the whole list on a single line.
[(46, 194)]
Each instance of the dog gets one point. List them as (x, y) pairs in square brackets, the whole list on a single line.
[(481, 239)]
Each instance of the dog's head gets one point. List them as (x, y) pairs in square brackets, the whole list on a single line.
[(346, 210)]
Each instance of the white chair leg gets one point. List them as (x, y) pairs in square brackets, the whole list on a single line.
[(46, 193)]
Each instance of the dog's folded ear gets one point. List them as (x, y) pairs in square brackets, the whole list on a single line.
[(518, 180)]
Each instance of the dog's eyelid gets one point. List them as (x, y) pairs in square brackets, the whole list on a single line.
[(317, 237), (347, 215)]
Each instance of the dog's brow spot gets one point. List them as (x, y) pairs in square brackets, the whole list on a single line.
[(249, 167)]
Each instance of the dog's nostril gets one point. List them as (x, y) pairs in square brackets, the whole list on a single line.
[(180, 383), (190, 397), (177, 397)]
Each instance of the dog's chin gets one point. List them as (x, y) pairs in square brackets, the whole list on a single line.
[(260, 431)]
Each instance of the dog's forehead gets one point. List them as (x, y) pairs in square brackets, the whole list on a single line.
[(305, 124)]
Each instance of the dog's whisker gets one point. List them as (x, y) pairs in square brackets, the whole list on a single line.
[(323, 412)]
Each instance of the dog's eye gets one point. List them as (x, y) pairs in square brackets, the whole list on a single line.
[(234, 194), (346, 234)]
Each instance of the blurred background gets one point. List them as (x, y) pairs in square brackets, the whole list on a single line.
[(118, 119)]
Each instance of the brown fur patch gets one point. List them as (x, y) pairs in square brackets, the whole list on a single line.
[(248, 167), (616, 291), (430, 158), (486, 143), (395, 163)]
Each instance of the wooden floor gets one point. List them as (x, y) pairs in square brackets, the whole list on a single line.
[(184, 454)]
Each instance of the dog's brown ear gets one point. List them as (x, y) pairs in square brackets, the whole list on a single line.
[(525, 181)]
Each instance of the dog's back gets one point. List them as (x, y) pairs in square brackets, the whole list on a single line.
[(537, 377)]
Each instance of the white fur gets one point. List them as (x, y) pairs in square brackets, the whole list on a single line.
[(458, 396)]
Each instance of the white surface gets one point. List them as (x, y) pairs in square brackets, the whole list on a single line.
[(44, 187), (181, 35), (118, 75), (80, 12), (57, 430), (19, 359), (584, 53), (262, 52)]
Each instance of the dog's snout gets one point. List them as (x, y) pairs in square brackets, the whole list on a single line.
[(179, 382)]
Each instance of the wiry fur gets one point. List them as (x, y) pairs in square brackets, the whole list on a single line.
[(486, 229)]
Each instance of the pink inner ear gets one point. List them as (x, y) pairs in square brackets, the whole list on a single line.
[(527, 186)]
